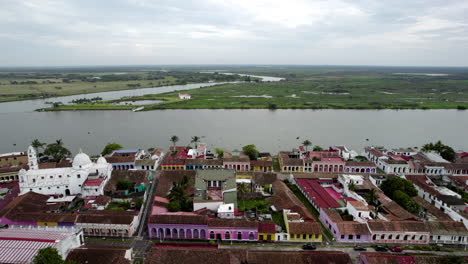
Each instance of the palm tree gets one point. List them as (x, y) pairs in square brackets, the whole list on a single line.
[(242, 189), (372, 197), (195, 139), (37, 144), (352, 186), (174, 140), (306, 143)]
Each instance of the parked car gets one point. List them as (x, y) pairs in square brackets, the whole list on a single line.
[(309, 246), (359, 248), (396, 249), (381, 248)]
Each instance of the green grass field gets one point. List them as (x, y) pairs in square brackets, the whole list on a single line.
[(10, 92), (322, 92)]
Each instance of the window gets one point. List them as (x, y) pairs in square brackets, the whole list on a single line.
[(227, 235), (382, 236), (48, 188), (58, 187), (350, 237), (51, 177), (30, 190), (78, 176), (212, 236), (34, 180), (68, 176), (60, 176), (40, 189), (398, 237), (42, 177), (390, 237), (342, 236), (251, 236), (358, 236)]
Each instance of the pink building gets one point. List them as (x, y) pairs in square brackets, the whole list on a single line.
[(238, 164)]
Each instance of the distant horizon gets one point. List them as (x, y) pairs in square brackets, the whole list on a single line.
[(221, 65)]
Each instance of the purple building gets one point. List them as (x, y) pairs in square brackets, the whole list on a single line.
[(232, 229), (344, 231), (178, 226)]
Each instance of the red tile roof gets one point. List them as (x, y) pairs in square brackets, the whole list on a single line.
[(93, 182), (317, 193), (267, 227)]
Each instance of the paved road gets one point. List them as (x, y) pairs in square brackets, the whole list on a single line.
[(352, 253)]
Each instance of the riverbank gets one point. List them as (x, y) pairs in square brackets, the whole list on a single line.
[(347, 93)]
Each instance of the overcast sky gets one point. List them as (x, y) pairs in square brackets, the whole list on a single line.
[(124, 32)]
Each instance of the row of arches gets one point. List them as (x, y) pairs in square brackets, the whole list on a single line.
[(238, 167), (178, 233), (123, 167), (184, 233), (360, 170), (9, 178)]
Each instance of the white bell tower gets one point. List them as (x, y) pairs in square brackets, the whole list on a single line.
[(32, 159)]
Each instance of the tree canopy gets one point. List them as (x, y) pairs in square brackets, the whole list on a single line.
[(401, 190), (251, 151), (174, 139), (219, 153), (111, 147), (306, 143), (48, 256), (56, 151), (177, 195), (444, 151)]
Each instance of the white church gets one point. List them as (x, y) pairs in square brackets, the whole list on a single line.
[(84, 177)]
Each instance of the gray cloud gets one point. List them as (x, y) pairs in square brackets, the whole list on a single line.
[(362, 32)]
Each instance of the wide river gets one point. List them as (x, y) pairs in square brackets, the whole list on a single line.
[(231, 129)]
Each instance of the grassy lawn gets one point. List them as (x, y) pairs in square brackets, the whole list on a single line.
[(259, 205), (309, 206), (118, 206)]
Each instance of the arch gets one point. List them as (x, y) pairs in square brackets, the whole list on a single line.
[(189, 234), (202, 234), (160, 233), (367, 170), (153, 232), (168, 232), (181, 233), (175, 234), (374, 237), (212, 235), (227, 235), (195, 234), (67, 192), (362, 170)]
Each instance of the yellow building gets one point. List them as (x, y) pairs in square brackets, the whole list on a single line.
[(300, 230), (266, 231)]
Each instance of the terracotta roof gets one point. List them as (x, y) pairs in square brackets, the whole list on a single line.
[(120, 159), (102, 200), (396, 211), (352, 228), (441, 216), (212, 162), (218, 222), (298, 257), (447, 228), (167, 178), (116, 219), (30, 202), (375, 152), (200, 255), (266, 227), (98, 255), (305, 228), (398, 226), (43, 217), (359, 205), (53, 165), (360, 164), (235, 159), (170, 161), (284, 198), (420, 181), (179, 219), (261, 163), (286, 161), (333, 215)]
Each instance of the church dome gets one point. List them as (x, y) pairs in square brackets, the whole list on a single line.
[(81, 160), (101, 160)]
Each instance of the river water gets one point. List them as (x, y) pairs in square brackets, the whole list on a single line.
[(231, 129)]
